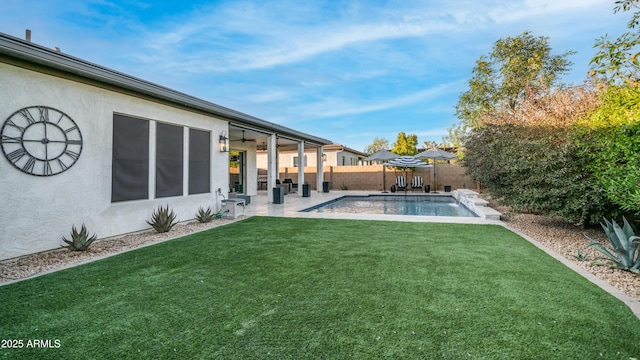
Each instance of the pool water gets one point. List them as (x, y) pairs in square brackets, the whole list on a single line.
[(424, 205)]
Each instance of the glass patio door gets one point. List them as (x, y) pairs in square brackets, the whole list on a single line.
[(237, 171)]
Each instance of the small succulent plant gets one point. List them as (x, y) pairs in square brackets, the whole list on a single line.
[(163, 219), (204, 216), (625, 246), (80, 240)]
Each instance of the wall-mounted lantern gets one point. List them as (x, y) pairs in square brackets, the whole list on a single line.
[(324, 157), (224, 142)]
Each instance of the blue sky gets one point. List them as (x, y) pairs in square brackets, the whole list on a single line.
[(348, 71)]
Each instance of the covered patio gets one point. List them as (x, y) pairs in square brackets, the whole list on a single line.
[(245, 138)]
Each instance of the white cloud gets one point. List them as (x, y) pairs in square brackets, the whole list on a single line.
[(514, 12), (267, 40), (331, 107)]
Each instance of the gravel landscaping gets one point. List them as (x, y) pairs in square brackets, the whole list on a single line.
[(48, 261), (564, 239)]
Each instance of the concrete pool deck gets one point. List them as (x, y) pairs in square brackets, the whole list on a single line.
[(293, 203)]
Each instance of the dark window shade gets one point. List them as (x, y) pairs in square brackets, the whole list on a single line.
[(169, 160), (199, 161), (130, 159)]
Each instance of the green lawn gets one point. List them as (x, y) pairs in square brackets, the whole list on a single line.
[(329, 289)]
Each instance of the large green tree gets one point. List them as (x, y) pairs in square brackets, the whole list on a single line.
[(378, 144), (515, 67), (618, 61), (406, 144)]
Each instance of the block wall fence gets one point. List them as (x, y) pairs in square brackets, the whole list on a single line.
[(369, 177)]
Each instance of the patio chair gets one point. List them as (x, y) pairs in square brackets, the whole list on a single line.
[(285, 186), (292, 187), (416, 183), (401, 184)]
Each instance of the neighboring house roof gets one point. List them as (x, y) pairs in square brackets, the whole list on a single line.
[(35, 57), (338, 147), (330, 147)]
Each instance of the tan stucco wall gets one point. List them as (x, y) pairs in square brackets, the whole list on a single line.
[(333, 158), (370, 177)]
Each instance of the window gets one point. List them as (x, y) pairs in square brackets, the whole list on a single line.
[(130, 159), (295, 161), (199, 161), (169, 160)]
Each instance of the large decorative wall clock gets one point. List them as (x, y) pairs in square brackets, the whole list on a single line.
[(41, 141)]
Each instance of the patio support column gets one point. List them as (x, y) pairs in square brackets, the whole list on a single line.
[(319, 168), (272, 166), (301, 166)]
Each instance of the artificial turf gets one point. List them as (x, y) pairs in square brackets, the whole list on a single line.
[(327, 289)]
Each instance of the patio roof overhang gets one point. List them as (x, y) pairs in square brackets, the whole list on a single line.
[(35, 57)]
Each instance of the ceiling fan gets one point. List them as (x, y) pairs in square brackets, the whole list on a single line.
[(243, 138)]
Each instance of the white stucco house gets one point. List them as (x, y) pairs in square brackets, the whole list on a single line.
[(84, 144)]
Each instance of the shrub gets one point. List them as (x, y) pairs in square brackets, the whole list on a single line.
[(610, 139), (204, 216), (162, 220), (80, 240), (625, 244), (528, 158)]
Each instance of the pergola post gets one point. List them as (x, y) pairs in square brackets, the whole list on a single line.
[(272, 166), (319, 168), (301, 166)]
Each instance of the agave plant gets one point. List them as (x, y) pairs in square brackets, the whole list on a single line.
[(204, 216), (80, 240), (162, 220), (624, 243)]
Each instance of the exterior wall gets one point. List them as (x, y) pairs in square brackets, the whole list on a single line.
[(285, 159), (332, 159), (369, 178), (345, 158), (36, 212)]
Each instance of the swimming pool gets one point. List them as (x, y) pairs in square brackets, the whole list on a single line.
[(425, 205)]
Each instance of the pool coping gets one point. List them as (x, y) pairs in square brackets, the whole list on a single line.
[(396, 196)]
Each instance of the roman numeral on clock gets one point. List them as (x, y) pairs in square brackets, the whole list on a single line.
[(28, 166), (27, 115), (44, 114), (46, 169), (16, 154), (72, 154), (11, 140)]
